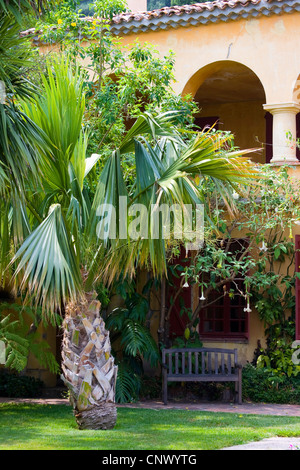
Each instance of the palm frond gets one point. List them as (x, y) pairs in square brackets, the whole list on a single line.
[(47, 264), (58, 111), (17, 8), (167, 174), (19, 146), (128, 384)]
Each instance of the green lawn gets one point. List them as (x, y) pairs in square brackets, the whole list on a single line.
[(39, 427)]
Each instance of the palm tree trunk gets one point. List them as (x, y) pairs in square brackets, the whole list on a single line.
[(88, 366)]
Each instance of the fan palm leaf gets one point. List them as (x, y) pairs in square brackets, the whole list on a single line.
[(166, 174), (48, 263)]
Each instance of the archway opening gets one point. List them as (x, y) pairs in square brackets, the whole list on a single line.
[(232, 94)]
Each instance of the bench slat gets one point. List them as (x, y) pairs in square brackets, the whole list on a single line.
[(196, 363), (229, 363), (216, 364), (190, 362)]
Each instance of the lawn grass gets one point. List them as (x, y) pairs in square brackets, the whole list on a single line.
[(50, 427)]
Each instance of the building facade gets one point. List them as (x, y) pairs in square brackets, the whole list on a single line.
[(240, 61)]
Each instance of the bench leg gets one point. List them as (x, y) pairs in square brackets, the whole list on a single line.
[(238, 387), (165, 388)]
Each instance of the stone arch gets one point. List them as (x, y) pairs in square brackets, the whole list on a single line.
[(233, 93)]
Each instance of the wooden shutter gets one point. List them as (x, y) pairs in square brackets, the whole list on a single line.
[(298, 134), (269, 137), (297, 288), (178, 321)]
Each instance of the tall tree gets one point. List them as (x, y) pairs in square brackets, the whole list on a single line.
[(54, 232), (63, 254)]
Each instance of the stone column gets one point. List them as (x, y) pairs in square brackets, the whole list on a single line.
[(284, 132)]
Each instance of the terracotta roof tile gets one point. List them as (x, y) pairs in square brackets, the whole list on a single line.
[(200, 13), (195, 14)]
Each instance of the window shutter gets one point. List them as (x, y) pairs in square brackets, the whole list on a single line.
[(297, 288), (298, 134), (178, 320), (269, 137)]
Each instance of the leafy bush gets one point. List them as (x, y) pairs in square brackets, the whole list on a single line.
[(277, 357), (261, 385), (20, 341), (131, 343), (19, 386)]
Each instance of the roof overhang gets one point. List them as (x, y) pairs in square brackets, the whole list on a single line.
[(200, 14), (191, 15)]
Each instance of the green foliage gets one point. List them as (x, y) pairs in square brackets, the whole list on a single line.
[(277, 357), (262, 220), (128, 384), (20, 341), (21, 138), (260, 385), (155, 4), (19, 386), (131, 342), (16, 346), (58, 258), (190, 339), (120, 82)]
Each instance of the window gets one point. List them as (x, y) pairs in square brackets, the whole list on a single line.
[(297, 288), (225, 316)]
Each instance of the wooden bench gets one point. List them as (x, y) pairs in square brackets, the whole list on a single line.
[(201, 365)]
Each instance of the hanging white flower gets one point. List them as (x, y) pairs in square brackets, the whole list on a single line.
[(186, 284), (248, 309), (202, 295), (263, 246)]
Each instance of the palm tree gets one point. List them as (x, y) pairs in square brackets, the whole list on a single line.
[(58, 253), (17, 8), (21, 138)]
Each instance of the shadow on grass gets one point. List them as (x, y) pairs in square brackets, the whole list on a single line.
[(35, 427)]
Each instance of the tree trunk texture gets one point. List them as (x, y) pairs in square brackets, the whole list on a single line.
[(88, 367)]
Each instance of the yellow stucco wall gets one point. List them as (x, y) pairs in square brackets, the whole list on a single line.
[(267, 46), (245, 120)]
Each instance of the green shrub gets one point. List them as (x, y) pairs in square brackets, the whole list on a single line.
[(261, 385), (19, 386)]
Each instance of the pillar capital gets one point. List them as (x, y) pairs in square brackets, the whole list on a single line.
[(284, 132), (276, 108)]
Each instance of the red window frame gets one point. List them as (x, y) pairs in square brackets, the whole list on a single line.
[(297, 286), (225, 318), (178, 318), (225, 315)]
